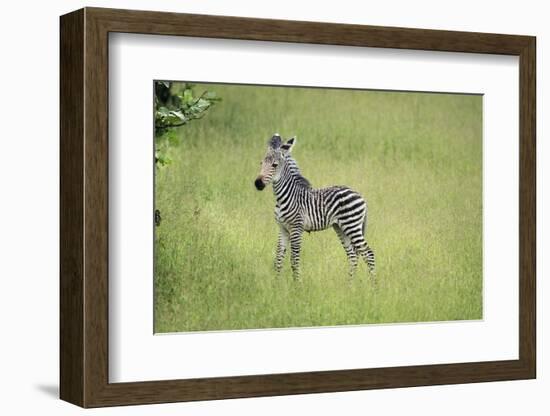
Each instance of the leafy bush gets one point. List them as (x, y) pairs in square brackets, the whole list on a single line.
[(176, 105)]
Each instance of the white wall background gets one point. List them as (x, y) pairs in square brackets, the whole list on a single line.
[(29, 210)]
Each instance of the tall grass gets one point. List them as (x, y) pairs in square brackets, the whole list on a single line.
[(415, 157)]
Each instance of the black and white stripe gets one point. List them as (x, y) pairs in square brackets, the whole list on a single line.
[(299, 208)]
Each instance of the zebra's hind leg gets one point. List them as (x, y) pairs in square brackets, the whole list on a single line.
[(368, 255), (363, 249), (349, 248)]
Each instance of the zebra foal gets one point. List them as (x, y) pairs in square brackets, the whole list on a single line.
[(299, 208)]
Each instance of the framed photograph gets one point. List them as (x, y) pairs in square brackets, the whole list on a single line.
[(254, 207)]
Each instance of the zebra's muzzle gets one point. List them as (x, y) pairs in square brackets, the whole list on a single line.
[(258, 183)]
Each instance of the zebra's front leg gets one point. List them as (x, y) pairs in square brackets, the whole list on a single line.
[(295, 246), (282, 242)]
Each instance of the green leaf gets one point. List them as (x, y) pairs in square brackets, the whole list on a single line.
[(179, 115), (187, 96), (163, 111)]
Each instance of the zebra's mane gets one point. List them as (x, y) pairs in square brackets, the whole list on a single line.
[(295, 170)]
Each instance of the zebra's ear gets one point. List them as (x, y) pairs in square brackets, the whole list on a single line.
[(275, 141), (287, 147)]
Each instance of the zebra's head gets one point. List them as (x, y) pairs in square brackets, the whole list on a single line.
[(272, 163)]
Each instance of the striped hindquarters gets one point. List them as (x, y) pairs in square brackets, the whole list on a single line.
[(348, 209)]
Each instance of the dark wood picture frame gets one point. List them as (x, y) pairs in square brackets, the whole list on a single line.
[(84, 207)]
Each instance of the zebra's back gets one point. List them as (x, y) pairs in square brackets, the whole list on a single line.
[(333, 205)]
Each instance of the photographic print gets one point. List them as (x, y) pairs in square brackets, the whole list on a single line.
[(290, 207)]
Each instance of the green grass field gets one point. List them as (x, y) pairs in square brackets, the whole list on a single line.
[(415, 157)]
